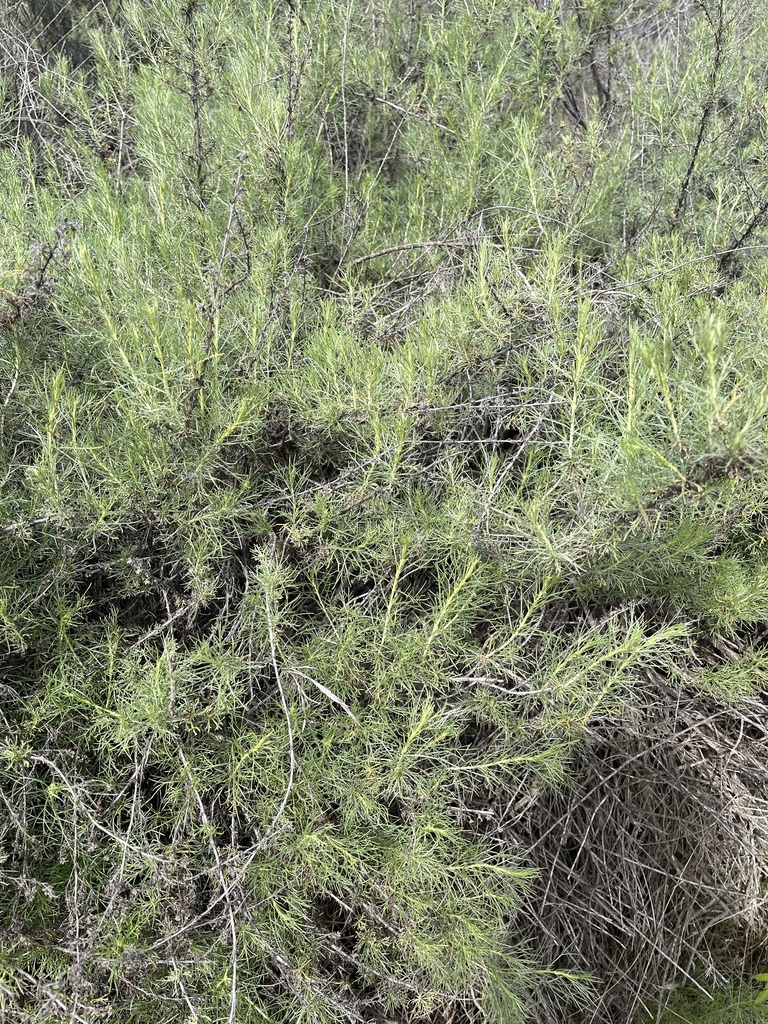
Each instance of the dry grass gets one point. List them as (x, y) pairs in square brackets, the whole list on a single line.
[(653, 868)]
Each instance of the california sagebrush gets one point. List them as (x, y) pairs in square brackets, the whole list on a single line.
[(384, 398)]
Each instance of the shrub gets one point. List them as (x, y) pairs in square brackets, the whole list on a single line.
[(383, 423)]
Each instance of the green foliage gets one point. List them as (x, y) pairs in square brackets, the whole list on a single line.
[(698, 1007), (383, 397)]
